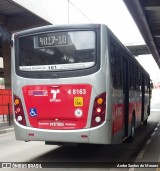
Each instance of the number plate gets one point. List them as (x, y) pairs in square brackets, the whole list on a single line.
[(78, 101)]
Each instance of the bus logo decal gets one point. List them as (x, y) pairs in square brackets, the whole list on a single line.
[(54, 98), (37, 92), (33, 112)]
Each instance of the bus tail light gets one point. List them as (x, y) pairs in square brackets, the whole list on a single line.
[(98, 114), (18, 109)]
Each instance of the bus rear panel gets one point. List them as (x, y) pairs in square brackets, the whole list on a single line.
[(64, 90), (57, 90)]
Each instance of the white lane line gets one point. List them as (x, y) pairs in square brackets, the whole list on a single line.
[(8, 129), (153, 134), (141, 154), (148, 141), (156, 129)]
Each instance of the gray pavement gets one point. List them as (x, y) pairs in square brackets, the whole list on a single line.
[(149, 153), (4, 124)]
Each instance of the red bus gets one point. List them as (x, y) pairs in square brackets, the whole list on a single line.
[(76, 84)]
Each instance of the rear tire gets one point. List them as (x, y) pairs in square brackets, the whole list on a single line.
[(145, 122)]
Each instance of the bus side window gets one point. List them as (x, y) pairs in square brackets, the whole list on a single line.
[(139, 79), (131, 75), (147, 86), (137, 82), (116, 67), (112, 54)]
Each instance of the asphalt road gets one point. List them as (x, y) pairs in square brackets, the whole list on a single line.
[(82, 157)]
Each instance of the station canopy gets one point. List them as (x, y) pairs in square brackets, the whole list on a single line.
[(146, 14), (14, 17)]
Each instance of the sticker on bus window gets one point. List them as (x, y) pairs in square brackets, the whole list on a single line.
[(57, 67), (78, 101)]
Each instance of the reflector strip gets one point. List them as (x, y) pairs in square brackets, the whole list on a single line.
[(84, 136)]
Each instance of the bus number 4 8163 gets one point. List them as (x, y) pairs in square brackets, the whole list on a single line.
[(77, 91)]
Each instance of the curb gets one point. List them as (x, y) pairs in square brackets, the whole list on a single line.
[(7, 130)]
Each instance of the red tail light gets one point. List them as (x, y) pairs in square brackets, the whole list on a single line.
[(98, 114), (18, 110)]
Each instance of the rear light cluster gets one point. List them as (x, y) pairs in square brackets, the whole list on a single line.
[(98, 114), (18, 109)]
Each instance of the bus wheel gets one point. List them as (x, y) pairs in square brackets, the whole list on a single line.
[(145, 122), (131, 137)]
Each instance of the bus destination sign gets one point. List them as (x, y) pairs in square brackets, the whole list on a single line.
[(51, 40)]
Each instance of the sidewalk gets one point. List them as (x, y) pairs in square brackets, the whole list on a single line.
[(4, 125)]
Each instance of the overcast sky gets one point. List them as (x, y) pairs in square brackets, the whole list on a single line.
[(112, 13)]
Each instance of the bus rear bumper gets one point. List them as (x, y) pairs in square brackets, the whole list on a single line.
[(97, 135)]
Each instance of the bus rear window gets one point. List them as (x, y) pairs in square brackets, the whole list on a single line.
[(57, 51)]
